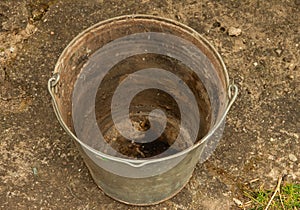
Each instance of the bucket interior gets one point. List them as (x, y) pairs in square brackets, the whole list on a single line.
[(86, 106)]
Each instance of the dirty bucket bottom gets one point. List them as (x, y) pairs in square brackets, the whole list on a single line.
[(163, 146), (143, 191)]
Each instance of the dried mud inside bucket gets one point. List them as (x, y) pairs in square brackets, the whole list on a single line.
[(113, 143)]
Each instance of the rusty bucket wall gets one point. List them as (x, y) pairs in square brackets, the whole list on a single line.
[(134, 154)]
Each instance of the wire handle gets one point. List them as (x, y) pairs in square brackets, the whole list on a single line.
[(53, 81), (232, 94)]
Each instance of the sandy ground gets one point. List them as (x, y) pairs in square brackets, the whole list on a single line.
[(40, 168)]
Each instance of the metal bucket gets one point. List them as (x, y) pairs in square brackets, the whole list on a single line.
[(145, 99)]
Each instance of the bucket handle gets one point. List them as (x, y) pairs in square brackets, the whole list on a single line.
[(53, 81), (233, 91)]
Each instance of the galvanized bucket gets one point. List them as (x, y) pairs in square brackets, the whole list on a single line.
[(145, 99)]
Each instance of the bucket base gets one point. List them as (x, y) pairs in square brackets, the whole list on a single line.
[(146, 204), (144, 191)]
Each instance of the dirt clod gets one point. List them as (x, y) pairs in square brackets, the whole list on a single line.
[(292, 157), (232, 31)]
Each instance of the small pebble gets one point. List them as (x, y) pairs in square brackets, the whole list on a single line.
[(292, 66), (238, 202), (35, 172), (291, 76), (292, 157), (278, 52), (232, 31), (11, 49)]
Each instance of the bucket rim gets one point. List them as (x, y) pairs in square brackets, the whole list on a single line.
[(231, 88)]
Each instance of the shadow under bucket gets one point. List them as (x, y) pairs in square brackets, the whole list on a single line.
[(145, 99)]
